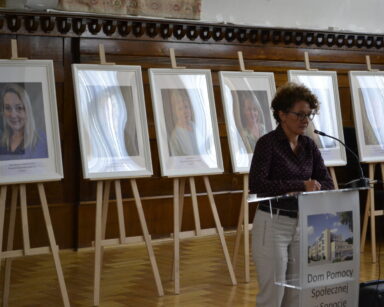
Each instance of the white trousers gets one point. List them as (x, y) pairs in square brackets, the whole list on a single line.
[(275, 251)]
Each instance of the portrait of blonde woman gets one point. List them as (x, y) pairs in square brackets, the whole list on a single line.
[(180, 122), (250, 119), (21, 138)]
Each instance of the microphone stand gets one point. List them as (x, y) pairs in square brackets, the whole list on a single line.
[(361, 182)]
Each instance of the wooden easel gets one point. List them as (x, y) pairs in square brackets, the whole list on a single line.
[(370, 210), (27, 250), (243, 221), (178, 201), (102, 204)]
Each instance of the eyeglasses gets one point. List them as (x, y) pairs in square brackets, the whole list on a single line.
[(302, 116)]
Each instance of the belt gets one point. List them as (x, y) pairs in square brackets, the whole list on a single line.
[(289, 213)]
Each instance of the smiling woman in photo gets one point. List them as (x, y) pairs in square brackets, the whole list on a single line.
[(19, 138), (183, 139)]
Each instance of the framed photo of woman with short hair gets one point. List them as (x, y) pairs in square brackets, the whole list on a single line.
[(367, 91), (247, 100), (29, 130), (186, 124), (112, 121), (324, 85)]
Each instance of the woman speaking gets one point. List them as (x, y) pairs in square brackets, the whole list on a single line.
[(285, 161)]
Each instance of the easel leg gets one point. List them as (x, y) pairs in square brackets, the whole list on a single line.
[(104, 216), (120, 211), (219, 230), (333, 175), (365, 222), (181, 200), (195, 206), (96, 283), (181, 206), (24, 219), (372, 216), (238, 233), (147, 238), (107, 189), (11, 232), (246, 228), (54, 248), (176, 236)]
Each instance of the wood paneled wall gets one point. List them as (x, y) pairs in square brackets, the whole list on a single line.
[(68, 39)]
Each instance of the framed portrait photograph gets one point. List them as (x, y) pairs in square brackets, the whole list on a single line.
[(29, 130), (367, 91), (186, 123), (324, 85), (247, 100), (112, 121)]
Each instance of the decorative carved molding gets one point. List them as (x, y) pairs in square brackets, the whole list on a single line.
[(47, 24), (89, 26), (124, 28), (31, 23), (78, 25), (179, 31), (13, 23), (137, 28), (109, 27)]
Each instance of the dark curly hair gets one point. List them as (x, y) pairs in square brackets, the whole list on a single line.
[(290, 93)]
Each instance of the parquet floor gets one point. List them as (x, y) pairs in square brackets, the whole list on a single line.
[(127, 278)]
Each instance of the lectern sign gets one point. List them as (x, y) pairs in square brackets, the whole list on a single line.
[(329, 248)]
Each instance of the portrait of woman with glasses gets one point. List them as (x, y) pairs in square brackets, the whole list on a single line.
[(285, 161), (20, 138)]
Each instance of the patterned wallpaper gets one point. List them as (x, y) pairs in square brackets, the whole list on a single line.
[(189, 9)]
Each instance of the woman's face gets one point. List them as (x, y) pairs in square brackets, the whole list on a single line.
[(250, 112), (14, 112), (181, 109), (291, 120)]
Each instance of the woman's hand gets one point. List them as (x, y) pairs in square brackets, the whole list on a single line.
[(312, 185)]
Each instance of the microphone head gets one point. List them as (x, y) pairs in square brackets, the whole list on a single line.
[(319, 132)]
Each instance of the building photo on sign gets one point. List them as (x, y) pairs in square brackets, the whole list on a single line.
[(330, 238)]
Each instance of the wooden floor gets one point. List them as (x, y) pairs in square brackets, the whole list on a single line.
[(127, 278)]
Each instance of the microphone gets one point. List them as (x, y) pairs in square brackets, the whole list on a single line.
[(361, 182)]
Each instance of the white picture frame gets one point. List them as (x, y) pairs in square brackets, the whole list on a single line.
[(187, 132), (112, 121), (29, 129), (246, 98), (324, 85), (367, 92)]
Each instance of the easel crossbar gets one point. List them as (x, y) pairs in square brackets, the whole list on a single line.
[(31, 252)]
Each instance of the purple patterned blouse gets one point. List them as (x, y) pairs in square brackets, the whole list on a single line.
[(277, 170)]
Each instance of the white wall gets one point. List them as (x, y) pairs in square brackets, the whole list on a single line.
[(365, 16)]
